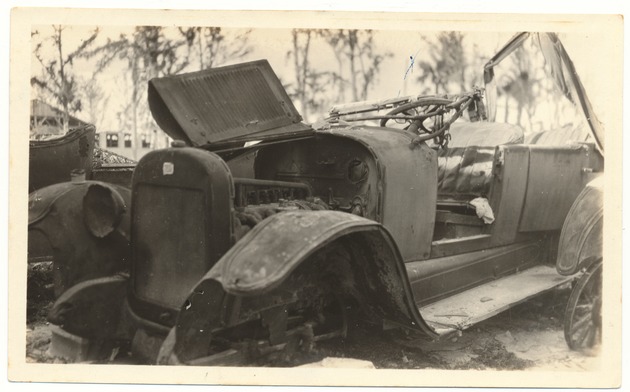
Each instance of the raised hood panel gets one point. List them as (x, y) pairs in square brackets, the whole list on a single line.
[(237, 103)]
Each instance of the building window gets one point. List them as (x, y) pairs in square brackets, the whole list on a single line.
[(97, 139), (127, 140), (111, 140), (146, 141)]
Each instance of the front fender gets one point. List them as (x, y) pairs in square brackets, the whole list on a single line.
[(582, 233), (92, 309), (274, 248), (282, 246), (83, 227)]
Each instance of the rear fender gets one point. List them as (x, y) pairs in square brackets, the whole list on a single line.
[(582, 233), (256, 271)]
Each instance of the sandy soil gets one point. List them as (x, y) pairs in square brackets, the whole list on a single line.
[(528, 336)]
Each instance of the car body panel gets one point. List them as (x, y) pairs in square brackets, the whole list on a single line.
[(51, 161), (581, 239), (60, 215)]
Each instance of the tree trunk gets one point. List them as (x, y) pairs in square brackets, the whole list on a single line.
[(200, 34), (64, 87), (134, 109), (352, 41)]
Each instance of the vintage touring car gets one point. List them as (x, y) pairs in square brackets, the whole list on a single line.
[(256, 233)]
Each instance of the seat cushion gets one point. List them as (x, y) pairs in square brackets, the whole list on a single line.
[(465, 167), (558, 137)]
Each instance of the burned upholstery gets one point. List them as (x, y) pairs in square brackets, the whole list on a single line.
[(465, 167)]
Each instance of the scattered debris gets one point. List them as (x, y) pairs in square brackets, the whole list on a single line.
[(521, 338)]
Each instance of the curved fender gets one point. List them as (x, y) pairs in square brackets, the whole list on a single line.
[(92, 308), (264, 258), (276, 246), (83, 227), (582, 233)]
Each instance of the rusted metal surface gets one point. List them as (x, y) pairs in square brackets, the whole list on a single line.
[(51, 161), (510, 171), (92, 308), (409, 179), (582, 233), (118, 175), (461, 311), (276, 246), (254, 191), (285, 258), (86, 225), (441, 277), (226, 104), (182, 224), (342, 173), (554, 181)]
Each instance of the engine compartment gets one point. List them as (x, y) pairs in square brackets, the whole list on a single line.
[(340, 171), (323, 173)]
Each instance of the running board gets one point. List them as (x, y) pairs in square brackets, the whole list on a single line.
[(465, 309)]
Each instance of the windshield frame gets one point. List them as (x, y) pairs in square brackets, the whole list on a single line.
[(568, 82)]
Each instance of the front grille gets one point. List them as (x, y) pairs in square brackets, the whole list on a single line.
[(170, 249)]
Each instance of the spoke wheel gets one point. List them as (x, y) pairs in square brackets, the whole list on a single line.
[(583, 316)]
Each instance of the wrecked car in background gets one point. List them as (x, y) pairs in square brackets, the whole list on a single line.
[(53, 159), (58, 169), (420, 213)]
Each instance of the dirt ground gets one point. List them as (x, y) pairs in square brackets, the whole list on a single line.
[(528, 336)]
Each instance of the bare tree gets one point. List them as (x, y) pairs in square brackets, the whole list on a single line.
[(522, 84), (212, 47), (147, 53), (310, 87), (444, 63), (58, 79), (356, 57), (94, 100), (519, 85)]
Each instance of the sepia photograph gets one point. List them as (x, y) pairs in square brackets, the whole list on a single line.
[(315, 198)]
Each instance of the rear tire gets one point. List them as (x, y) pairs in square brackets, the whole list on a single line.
[(583, 317)]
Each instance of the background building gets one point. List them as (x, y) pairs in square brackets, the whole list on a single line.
[(122, 142), (47, 120)]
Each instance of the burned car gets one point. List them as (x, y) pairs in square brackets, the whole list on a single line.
[(257, 233)]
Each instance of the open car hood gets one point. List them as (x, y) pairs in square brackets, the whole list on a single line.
[(562, 70), (225, 106)]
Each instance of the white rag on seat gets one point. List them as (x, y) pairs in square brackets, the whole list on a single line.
[(483, 209)]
